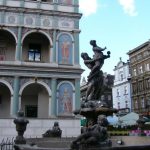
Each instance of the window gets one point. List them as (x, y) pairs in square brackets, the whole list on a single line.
[(2, 57), (148, 101), (148, 83), (147, 67), (34, 53), (109, 97), (125, 90), (140, 69), (133, 60), (126, 103), (139, 57), (140, 85), (142, 102), (134, 72), (118, 105), (31, 111), (121, 77), (136, 104), (118, 94), (145, 53)]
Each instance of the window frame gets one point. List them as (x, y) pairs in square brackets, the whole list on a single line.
[(34, 52)]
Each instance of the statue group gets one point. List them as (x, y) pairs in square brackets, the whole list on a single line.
[(94, 109), (95, 78)]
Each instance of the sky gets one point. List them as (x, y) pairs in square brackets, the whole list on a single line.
[(120, 25)]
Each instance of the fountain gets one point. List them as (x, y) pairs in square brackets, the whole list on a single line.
[(94, 109), (95, 135)]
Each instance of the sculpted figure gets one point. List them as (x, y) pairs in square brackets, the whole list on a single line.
[(94, 134), (54, 132), (95, 78)]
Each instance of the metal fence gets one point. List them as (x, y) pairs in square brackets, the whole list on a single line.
[(7, 144)]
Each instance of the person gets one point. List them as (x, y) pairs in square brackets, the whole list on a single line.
[(94, 135)]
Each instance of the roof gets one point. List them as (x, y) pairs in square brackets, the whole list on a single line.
[(138, 48)]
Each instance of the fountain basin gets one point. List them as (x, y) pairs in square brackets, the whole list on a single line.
[(129, 143)]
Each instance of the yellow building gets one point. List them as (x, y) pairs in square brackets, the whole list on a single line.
[(140, 78)]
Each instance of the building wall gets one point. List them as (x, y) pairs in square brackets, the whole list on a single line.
[(43, 102), (122, 89), (36, 127), (140, 78), (55, 26)]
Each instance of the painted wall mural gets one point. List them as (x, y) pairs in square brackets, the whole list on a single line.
[(65, 49), (65, 99)]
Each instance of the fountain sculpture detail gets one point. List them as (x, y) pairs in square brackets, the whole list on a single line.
[(92, 107)]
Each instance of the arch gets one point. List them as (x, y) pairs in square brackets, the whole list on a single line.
[(37, 31), (47, 101), (65, 82), (67, 34), (65, 48), (12, 33), (32, 82), (8, 85)]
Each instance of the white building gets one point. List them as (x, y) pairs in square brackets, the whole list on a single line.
[(121, 88)]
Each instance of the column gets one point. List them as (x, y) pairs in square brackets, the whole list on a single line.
[(38, 20), (38, 4), (55, 2), (22, 3), (18, 45), (18, 55), (11, 106), (4, 2), (54, 47), (77, 93), (15, 96), (54, 99), (3, 17), (76, 6), (76, 48)]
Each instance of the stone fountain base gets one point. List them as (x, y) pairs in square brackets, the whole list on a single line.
[(118, 143)]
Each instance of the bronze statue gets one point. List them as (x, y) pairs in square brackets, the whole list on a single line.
[(54, 132), (92, 108), (94, 135), (95, 78)]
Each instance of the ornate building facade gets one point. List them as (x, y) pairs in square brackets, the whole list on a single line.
[(39, 58), (140, 78), (121, 88)]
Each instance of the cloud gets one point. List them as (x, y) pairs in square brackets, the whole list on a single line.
[(88, 7), (129, 7)]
